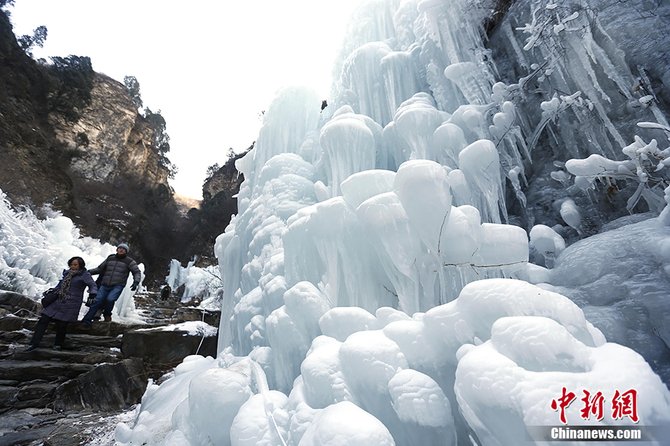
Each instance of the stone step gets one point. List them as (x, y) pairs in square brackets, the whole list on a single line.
[(27, 436), (98, 328), (164, 315), (76, 342), (104, 354), (22, 370), (8, 338), (11, 326), (167, 316), (151, 301), (91, 339), (76, 428), (104, 368), (40, 394), (10, 322), (196, 314)]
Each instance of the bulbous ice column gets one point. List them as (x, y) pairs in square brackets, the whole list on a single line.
[(471, 80), (360, 83), (423, 189), (350, 146), (326, 245), (448, 141), (292, 115), (415, 121), (397, 246)]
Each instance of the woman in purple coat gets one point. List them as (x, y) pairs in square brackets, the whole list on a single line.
[(66, 308)]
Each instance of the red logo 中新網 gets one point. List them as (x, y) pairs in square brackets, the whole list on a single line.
[(593, 405)]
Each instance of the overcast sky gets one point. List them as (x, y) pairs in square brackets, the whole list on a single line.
[(210, 67)]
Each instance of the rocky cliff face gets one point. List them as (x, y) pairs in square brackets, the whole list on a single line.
[(110, 139), (226, 180), (26, 142), (100, 169), (217, 206)]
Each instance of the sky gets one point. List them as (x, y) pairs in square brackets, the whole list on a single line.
[(209, 67)]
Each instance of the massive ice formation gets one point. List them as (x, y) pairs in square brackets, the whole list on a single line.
[(372, 291), (34, 251)]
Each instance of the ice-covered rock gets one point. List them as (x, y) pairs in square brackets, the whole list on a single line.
[(547, 243)]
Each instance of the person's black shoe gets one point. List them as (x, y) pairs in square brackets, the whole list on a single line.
[(31, 348), (86, 325), (58, 347)]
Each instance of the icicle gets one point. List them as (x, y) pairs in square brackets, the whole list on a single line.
[(658, 114), (480, 163), (474, 84), (360, 82), (513, 176), (400, 77), (664, 218)]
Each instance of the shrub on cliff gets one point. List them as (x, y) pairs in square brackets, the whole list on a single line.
[(71, 81)]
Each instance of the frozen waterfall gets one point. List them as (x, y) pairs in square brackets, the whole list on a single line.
[(375, 290)]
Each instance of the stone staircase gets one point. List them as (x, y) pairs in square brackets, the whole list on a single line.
[(57, 397)]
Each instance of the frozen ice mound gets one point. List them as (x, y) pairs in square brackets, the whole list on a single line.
[(344, 424), (623, 291), (507, 384)]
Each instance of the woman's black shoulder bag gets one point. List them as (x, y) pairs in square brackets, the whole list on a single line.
[(49, 297)]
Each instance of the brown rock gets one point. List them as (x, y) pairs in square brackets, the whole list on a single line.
[(106, 387)]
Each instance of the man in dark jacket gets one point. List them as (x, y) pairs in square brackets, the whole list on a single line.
[(113, 273)]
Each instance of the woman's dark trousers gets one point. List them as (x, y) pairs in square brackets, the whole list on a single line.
[(41, 328)]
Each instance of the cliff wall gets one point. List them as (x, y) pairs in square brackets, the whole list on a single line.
[(94, 160)]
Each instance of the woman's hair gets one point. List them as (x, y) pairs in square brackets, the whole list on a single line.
[(82, 264)]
